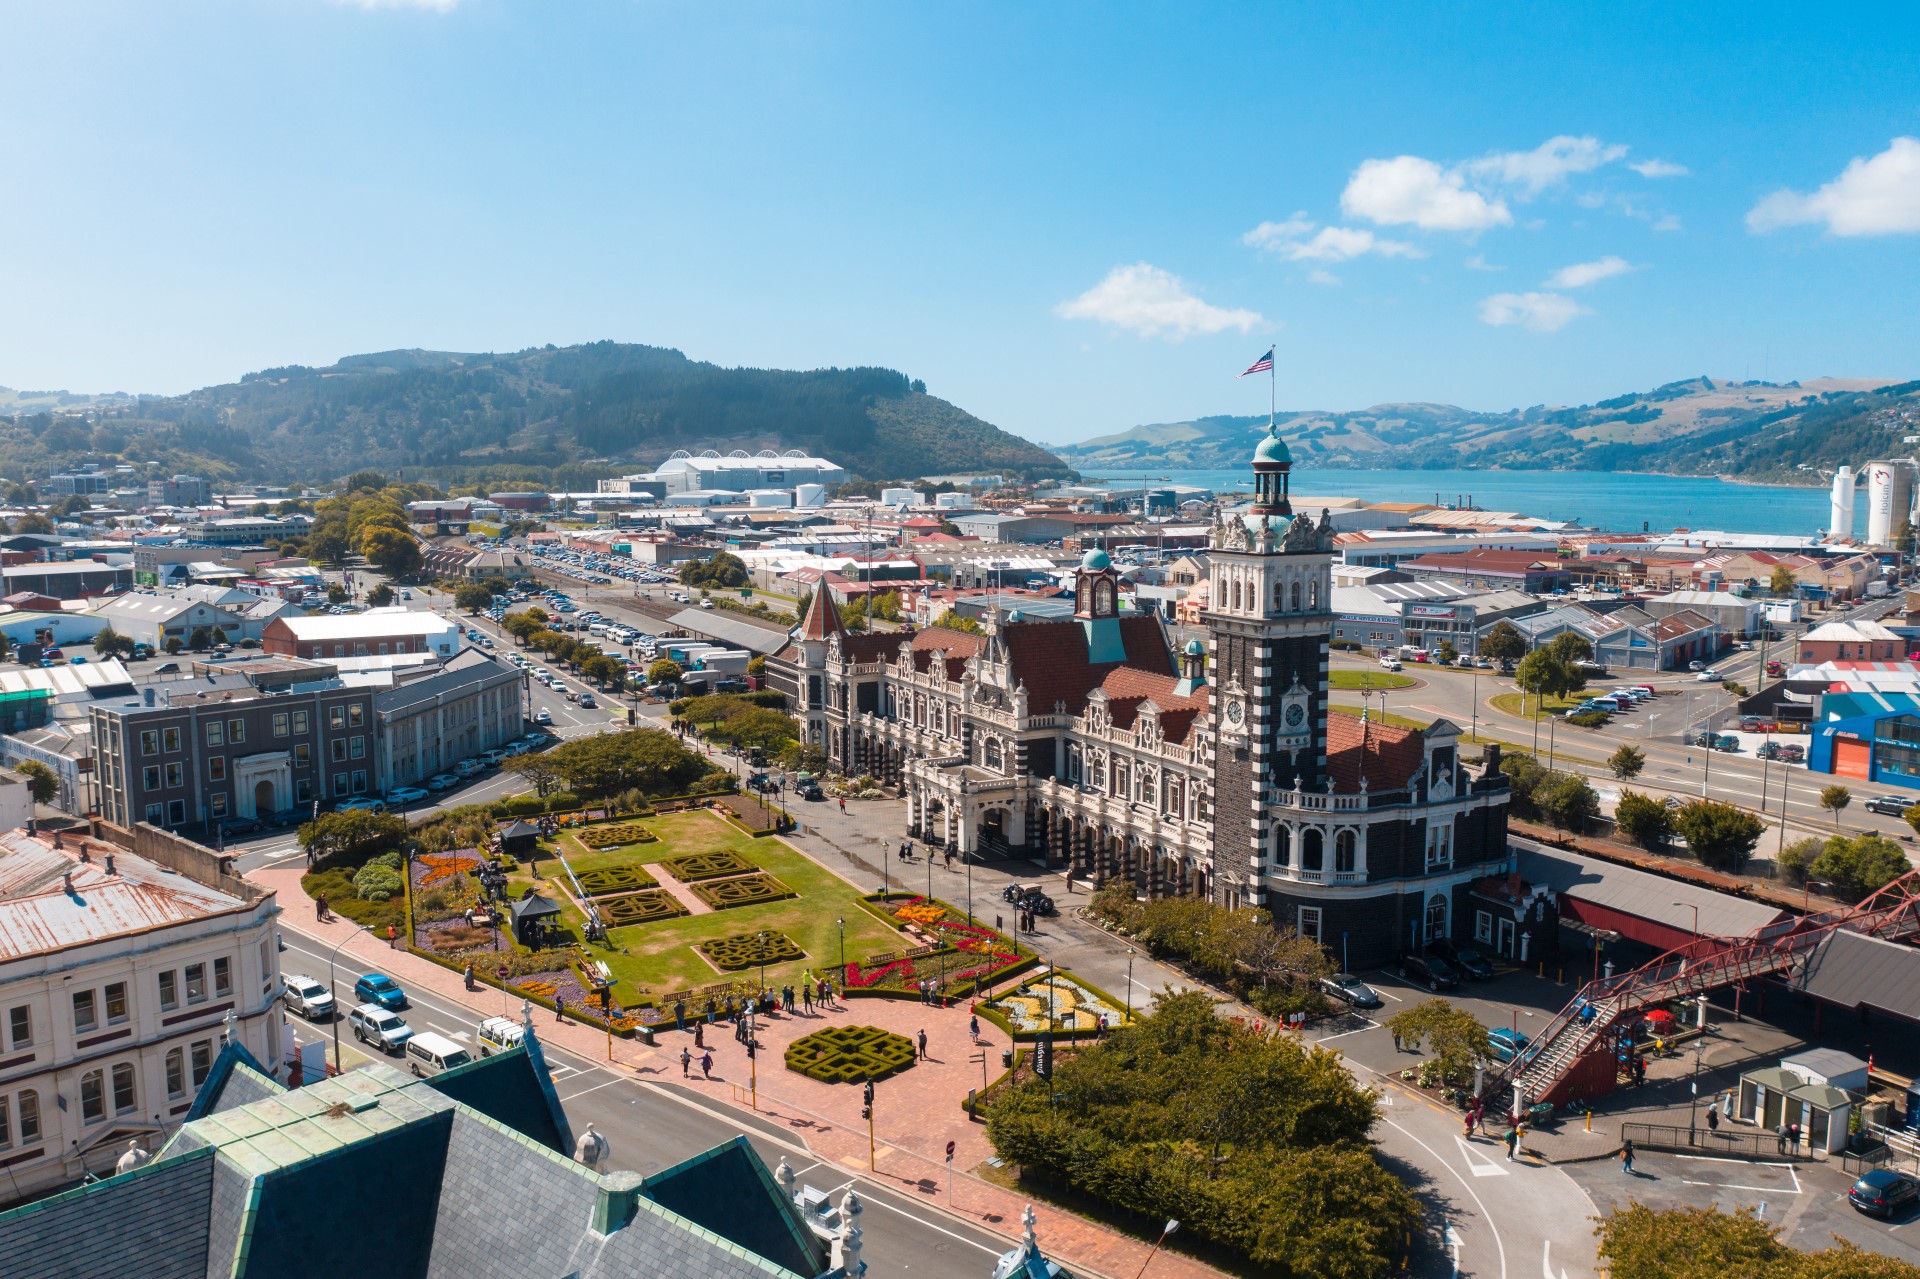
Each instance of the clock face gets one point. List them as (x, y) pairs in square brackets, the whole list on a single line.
[(1294, 715), (1234, 711)]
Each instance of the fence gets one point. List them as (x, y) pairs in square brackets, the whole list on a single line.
[(1725, 1143)]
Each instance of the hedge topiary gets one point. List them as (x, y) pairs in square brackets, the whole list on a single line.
[(743, 950), (706, 866), (747, 890), (850, 1054), (639, 908), (614, 836), (624, 878), (380, 879)]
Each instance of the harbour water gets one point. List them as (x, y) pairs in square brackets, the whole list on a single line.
[(1614, 501)]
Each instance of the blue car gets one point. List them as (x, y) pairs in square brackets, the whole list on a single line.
[(1506, 1042), (378, 988)]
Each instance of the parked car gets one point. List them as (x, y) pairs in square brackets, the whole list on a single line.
[(1890, 805), (442, 781), (1507, 1043), (1706, 675), (406, 795), (1791, 754), (360, 805), (1349, 989), (379, 1027), (308, 997), (378, 988), (1469, 959), (1727, 742), (1884, 1193), (1424, 968)]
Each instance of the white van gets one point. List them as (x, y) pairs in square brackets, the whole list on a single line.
[(500, 1034), (431, 1054)]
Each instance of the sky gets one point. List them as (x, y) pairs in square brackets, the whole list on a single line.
[(1066, 218)]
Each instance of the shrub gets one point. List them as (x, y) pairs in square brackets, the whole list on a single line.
[(747, 890), (562, 801), (1588, 719), (850, 1054), (697, 866), (377, 882), (614, 836), (1719, 834), (1856, 867), (1643, 819), (746, 950), (639, 908), (519, 806), (615, 879)]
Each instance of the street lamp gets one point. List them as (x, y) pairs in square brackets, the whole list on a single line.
[(1129, 983), (1696, 920), (333, 955), (843, 948), (763, 962)]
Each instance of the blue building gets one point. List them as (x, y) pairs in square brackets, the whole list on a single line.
[(1872, 737)]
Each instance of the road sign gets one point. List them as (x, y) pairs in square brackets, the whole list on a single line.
[(949, 1152)]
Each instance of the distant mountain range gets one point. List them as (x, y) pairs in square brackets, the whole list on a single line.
[(563, 416), (1793, 433)]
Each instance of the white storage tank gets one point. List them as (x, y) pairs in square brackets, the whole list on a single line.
[(1880, 513), (769, 498), (953, 501), (902, 497), (811, 495), (1904, 474), (1840, 523)]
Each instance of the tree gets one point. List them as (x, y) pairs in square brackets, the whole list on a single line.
[(1719, 834), (392, 550), (1503, 643), (380, 596), (336, 593), (602, 670), (756, 728), (33, 523), (472, 597), (1859, 866), (1447, 653), (201, 637), (885, 606), (952, 621), (664, 671), (1568, 801), (42, 782), (1833, 799), (1782, 582), (1791, 865), (1643, 819), (173, 646), (536, 770), (719, 569), (1452, 1036), (350, 838), (646, 759), (1639, 1242), (1545, 673), (1571, 647), (1626, 762), (757, 666), (111, 643)]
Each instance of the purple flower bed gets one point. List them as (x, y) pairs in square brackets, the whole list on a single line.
[(422, 933), (565, 985)]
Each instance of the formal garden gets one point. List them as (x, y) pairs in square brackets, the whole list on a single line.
[(1059, 1002), (850, 1054)]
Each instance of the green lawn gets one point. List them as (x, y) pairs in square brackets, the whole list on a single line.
[(1354, 680), (659, 957), (1536, 707)]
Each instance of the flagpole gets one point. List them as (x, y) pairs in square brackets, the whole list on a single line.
[(1272, 390)]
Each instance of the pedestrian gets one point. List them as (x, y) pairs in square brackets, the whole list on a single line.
[(559, 1008), (973, 1026), (1473, 1117), (320, 909), (806, 998), (1626, 1157), (731, 1014), (1713, 1118), (1513, 1142), (1100, 1027), (468, 975), (706, 1065), (712, 1009), (923, 1045), (393, 937), (1396, 1041), (686, 1063), (679, 1014), (699, 1035), (843, 803)]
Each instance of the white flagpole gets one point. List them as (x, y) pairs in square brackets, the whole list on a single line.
[(1272, 390)]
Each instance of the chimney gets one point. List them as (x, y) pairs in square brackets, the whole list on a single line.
[(66, 882), (146, 695), (110, 869), (618, 1198)]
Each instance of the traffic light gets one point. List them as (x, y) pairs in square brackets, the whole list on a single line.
[(606, 999), (866, 1112), (866, 1093)]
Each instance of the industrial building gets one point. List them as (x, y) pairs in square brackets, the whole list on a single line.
[(740, 472)]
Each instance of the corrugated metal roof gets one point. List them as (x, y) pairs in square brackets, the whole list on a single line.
[(1654, 898), (1854, 970), (38, 914), (93, 679), (714, 625)]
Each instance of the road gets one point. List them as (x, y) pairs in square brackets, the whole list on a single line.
[(655, 1125)]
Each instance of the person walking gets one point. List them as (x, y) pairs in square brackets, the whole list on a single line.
[(320, 909), (559, 1008), (973, 1026), (923, 1045), (468, 976), (393, 937), (1513, 1142), (1713, 1118), (1473, 1117), (1626, 1156), (686, 1063), (843, 803), (1396, 1041), (706, 1065)]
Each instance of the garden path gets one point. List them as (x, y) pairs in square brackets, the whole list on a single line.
[(679, 891)]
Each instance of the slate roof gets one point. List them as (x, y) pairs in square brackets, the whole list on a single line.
[(160, 1227), (729, 1191), (515, 1089), (1854, 970)]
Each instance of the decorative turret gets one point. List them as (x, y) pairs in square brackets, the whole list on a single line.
[(1193, 669), (822, 618), (1272, 470)]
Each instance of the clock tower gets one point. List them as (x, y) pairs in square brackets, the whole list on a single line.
[(1270, 619)]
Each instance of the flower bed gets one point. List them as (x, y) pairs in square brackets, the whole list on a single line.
[(624, 878), (700, 866), (447, 936), (850, 1054), (616, 835), (747, 890), (646, 907), (749, 813), (434, 868), (987, 957), (744, 950), (1076, 1007)]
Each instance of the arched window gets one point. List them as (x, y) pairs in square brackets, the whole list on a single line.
[(1283, 846), (1296, 597), (1312, 849), (993, 752), (1279, 596), (1313, 593), (1343, 852), (1236, 595), (1436, 917)]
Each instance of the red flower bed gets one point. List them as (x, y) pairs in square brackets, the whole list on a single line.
[(864, 980)]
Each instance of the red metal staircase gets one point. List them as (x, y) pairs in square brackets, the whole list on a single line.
[(1574, 1056)]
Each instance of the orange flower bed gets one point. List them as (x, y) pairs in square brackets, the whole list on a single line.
[(439, 866)]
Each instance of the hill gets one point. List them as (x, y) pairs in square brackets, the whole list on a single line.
[(552, 415), (1793, 433)]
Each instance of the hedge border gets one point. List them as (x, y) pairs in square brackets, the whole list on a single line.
[(878, 1070), (1000, 1019), (704, 888)]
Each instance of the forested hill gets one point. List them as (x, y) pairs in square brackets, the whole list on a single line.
[(552, 415), (1793, 432)]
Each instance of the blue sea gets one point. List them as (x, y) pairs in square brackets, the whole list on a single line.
[(1606, 500)]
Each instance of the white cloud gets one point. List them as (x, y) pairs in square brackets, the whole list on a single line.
[(1296, 241), (1410, 191), (1659, 169), (1478, 262), (1320, 275), (1581, 274), (1547, 164), (1541, 312), (1667, 222), (437, 6), (1144, 299), (1877, 195)]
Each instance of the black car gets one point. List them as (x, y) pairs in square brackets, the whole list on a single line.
[(1469, 959), (812, 791), (1430, 970), (1036, 904), (1884, 1193)]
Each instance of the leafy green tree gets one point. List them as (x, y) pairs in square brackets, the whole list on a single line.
[(1568, 801), (1833, 799), (757, 666), (1719, 834), (1544, 673), (1452, 1036), (1447, 653), (392, 551), (1859, 866), (201, 637), (534, 769), (472, 597), (664, 671), (1782, 582), (1643, 819), (1626, 762), (380, 596), (803, 757), (645, 759), (1571, 647), (1639, 1242), (42, 782), (1503, 643), (1793, 861), (721, 569), (952, 621), (603, 670), (756, 727), (350, 838), (885, 606), (108, 642)]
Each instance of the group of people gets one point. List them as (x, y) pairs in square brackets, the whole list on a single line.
[(803, 996)]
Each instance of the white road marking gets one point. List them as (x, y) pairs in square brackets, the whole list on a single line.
[(1371, 1025), (596, 1088), (1478, 1162), (1546, 1260), (1467, 1185)]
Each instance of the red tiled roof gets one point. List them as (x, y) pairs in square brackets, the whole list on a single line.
[(1486, 560), (1050, 658), (1127, 687), (953, 647), (1387, 755), (822, 618)]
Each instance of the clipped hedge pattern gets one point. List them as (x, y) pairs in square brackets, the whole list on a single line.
[(699, 866), (639, 908), (742, 950), (747, 890), (850, 1054), (624, 878), (614, 836)]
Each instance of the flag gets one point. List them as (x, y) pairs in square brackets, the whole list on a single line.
[(1262, 365)]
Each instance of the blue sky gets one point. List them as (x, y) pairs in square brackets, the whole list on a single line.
[(1066, 218)]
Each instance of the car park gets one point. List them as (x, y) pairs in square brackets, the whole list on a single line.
[(378, 988), (379, 1027), (1891, 805), (1424, 968), (1349, 989), (1883, 1192), (308, 997)]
